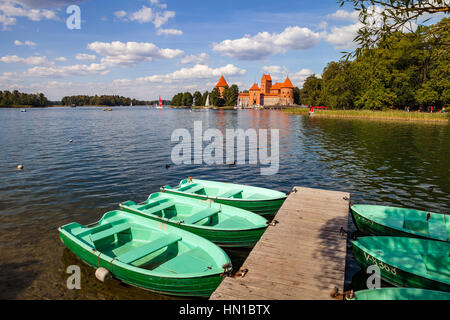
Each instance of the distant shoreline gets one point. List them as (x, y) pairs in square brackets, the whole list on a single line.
[(393, 115)]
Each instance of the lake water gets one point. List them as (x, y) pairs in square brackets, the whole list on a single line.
[(122, 155)]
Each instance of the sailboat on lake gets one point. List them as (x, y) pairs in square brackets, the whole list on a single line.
[(160, 106)]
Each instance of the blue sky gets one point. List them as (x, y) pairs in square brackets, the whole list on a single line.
[(146, 48)]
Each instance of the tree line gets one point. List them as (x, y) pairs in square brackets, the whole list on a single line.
[(186, 99), (104, 100), (402, 70), (17, 98)]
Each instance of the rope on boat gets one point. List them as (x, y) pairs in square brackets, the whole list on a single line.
[(98, 259)]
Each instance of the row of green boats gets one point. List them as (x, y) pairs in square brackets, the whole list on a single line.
[(411, 249), (170, 243)]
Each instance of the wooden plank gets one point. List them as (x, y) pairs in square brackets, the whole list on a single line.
[(302, 257)]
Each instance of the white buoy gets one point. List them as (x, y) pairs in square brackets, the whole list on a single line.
[(102, 274), (19, 167)]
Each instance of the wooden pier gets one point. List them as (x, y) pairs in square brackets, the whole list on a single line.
[(301, 257)]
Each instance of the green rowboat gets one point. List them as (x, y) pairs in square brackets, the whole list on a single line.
[(406, 262), (258, 200), (400, 294), (392, 221), (224, 225), (149, 254)]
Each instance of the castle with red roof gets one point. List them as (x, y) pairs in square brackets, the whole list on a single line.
[(268, 94)]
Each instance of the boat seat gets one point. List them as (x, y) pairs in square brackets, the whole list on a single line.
[(159, 207), (416, 225), (230, 193), (234, 222), (189, 186), (193, 188), (256, 196), (437, 264), (109, 232), (148, 248), (199, 216)]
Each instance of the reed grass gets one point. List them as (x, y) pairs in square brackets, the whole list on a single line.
[(375, 115)]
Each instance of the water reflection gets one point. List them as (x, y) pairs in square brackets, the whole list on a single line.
[(122, 155)]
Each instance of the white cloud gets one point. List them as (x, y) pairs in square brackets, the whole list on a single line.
[(161, 18), (274, 69), (32, 60), (10, 10), (345, 15), (85, 56), (62, 59), (148, 15), (65, 71), (120, 14), (197, 72), (342, 37), (158, 4), (197, 59), (25, 43), (131, 53), (169, 32), (300, 76), (265, 44)]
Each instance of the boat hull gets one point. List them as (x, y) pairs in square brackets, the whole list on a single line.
[(395, 275), (401, 294), (190, 287), (262, 207), (373, 227)]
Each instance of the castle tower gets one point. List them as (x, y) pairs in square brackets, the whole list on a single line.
[(255, 95), (221, 85), (266, 83), (287, 92)]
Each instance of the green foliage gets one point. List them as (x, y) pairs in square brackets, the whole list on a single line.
[(297, 95), (404, 70), (177, 100), (394, 16), (231, 95), (198, 99), (187, 99), (103, 100), (311, 92), (215, 99), (17, 98)]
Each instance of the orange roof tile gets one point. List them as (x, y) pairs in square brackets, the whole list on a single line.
[(254, 87), (222, 82), (267, 77), (276, 86), (287, 83), (272, 94), (244, 94)]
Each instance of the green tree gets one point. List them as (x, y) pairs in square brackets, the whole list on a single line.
[(198, 99), (394, 16), (187, 99), (310, 94), (231, 95)]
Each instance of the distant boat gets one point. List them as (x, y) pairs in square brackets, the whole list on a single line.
[(160, 106), (23, 110), (207, 101)]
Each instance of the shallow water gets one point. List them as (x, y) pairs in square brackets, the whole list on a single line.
[(122, 155)]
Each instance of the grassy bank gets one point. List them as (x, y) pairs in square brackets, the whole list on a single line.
[(203, 107), (375, 115)]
